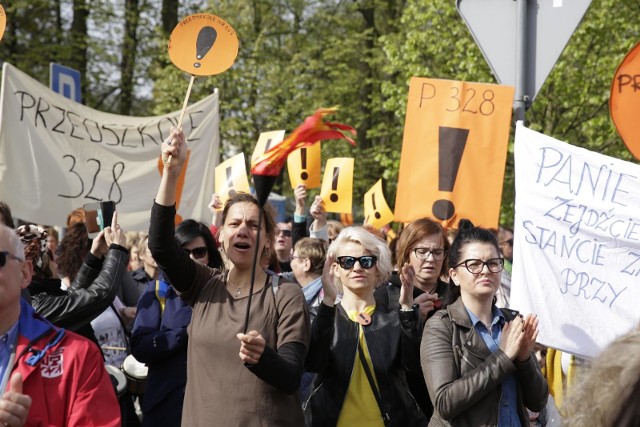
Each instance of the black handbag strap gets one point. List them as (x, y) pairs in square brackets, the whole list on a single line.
[(385, 416)]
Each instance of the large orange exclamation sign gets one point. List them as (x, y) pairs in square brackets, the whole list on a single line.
[(451, 147), (178, 219)]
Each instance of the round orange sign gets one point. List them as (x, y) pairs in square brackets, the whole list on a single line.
[(3, 21), (203, 45), (624, 102)]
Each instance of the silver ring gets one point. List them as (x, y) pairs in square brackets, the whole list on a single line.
[(168, 140)]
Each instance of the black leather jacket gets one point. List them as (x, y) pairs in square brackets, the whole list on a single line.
[(90, 294), (393, 340)]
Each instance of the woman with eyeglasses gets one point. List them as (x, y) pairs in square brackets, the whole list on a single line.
[(477, 359), (160, 337), (362, 352), (421, 253)]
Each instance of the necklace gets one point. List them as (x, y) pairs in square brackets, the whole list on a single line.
[(238, 288)]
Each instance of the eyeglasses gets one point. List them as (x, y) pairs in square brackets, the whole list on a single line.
[(4, 255), (475, 266), (292, 257), (198, 253), (366, 262), (285, 233), (423, 253), (507, 242)]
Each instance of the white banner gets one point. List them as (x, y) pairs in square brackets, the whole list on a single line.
[(577, 243), (56, 155)]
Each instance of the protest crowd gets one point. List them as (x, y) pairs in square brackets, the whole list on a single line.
[(343, 325), (280, 312)]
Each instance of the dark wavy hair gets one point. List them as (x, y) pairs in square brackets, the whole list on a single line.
[(189, 230), (467, 234), (72, 250)]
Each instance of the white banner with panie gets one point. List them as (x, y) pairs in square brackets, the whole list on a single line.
[(56, 155), (577, 243)]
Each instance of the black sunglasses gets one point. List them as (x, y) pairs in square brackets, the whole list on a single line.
[(366, 262), (198, 253), (4, 255), (285, 233)]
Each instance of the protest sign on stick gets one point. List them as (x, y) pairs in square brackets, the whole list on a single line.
[(202, 45), (576, 243), (624, 102), (3, 21)]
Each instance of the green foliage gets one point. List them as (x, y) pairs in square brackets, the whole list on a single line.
[(298, 55)]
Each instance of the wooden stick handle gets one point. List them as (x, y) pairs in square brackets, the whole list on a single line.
[(184, 109)]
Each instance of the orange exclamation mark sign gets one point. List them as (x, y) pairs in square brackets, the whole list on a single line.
[(451, 143), (180, 186), (334, 184), (303, 156)]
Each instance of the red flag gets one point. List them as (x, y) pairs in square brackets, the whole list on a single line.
[(312, 130)]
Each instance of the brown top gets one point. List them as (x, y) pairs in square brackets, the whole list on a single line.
[(221, 391)]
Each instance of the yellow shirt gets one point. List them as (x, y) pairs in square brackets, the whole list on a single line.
[(360, 407)]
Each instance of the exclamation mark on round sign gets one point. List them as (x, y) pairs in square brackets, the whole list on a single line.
[(303, 156), (451, 143), (206, 38), (334, 184)]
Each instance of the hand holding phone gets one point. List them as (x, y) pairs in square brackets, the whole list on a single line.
[(113, 233), (98, 216)]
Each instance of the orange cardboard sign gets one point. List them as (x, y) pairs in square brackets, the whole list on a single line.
[(624, 102), (337, 185), (376, 210), (304, 166), (454, 151), (3, 21), (203, 45), (266, 141), (231, 175)]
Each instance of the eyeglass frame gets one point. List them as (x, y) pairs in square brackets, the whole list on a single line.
[(199, 248), (429, 252), (6, 255), (340, 261), (466, 265)]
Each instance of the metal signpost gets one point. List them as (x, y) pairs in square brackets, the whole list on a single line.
[(522, 39)]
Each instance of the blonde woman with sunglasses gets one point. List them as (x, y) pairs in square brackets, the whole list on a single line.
[(362, 353)]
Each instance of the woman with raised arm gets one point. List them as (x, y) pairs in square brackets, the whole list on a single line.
[(362, 352), (422, 250), (477, 359), (233, 378)]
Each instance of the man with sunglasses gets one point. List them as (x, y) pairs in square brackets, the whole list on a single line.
[(283, 245), (48, 376)]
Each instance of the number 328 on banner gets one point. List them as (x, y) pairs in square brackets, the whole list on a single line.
[(454, 151)]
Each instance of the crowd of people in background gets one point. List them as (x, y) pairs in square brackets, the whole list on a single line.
[(330, 324)]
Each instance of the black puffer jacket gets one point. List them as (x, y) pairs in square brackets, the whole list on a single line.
[(90, 294), (393, 340)]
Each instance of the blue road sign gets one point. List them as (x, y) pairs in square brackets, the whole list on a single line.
[(65, 81)]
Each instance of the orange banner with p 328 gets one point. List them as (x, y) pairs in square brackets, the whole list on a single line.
[(454, 151)]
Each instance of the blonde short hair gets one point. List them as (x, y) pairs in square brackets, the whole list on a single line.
[(369, 242)]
